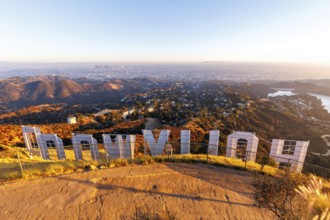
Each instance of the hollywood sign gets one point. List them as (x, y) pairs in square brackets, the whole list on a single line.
[(240, 144)]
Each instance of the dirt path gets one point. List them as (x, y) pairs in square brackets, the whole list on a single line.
[(188, 191), (326, 138), (152, 123)]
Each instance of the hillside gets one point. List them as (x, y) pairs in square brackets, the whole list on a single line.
[(183, 191), (307, 86), (20, 92), (199, 107)]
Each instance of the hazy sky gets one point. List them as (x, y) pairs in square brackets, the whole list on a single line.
[(165, 30)]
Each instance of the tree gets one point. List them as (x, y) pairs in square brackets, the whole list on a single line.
[(116, 116), (138, 104), (204, 113), (156, 105)]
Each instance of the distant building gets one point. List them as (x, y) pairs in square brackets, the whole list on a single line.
[(103, 112), (72, 120), (127, 113)]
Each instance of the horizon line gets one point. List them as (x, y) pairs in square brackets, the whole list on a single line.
[(165, 62)]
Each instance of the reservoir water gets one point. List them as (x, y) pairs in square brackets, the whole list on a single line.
[(325, 100), (282, 93), (288, 92)]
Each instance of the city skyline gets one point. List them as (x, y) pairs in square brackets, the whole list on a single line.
[(165, 31)]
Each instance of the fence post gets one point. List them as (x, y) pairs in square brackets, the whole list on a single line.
[(246, 156), (132, 158), (20, 165), (144, 147), (207, 154)]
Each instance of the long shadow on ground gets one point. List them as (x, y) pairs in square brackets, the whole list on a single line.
[(218, 176), (112, 187)]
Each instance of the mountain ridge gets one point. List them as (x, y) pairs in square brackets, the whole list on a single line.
[(28, 91)]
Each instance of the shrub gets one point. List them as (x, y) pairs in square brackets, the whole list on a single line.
[(145, 213), (32, 173), (160, 159), (120, 162), (198, 149), (266, 160), (277, 193), (147, 160), (100, 164), (55, 169)]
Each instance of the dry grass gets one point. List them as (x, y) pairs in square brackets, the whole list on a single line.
[(318, 200), (36, 166), (218, 161), (34, 169)]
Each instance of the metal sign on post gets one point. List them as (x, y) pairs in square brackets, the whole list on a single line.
[(169, 149)]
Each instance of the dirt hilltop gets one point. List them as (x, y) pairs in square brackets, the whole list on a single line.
[(187, 191)]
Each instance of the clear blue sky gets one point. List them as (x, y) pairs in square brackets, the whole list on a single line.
[(165, 30)]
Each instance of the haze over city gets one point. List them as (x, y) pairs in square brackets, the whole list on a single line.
[(165, 31)]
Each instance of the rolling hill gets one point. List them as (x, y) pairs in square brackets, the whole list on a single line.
[(20, 92)]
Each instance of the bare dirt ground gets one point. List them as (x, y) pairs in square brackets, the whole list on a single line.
[(187, 191), (152, 123)]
